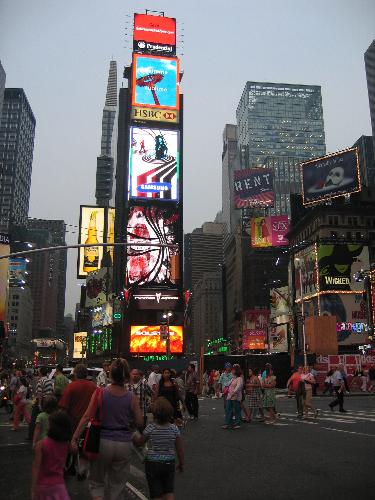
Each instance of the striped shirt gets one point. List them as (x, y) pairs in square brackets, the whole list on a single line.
[(161, 441), (44, 388)]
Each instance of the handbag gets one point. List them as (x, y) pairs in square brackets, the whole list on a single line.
[(91, 443)]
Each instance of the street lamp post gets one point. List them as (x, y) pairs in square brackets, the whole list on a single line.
[(167, 316), (302, 311)]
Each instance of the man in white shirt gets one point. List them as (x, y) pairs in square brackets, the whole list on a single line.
[(339, 387), (102, 380), (154, 378)]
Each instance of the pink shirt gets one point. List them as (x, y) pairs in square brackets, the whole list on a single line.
[(235, 389), (54, 454)]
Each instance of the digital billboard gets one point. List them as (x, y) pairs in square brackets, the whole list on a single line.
[(4, 250), (154, 34), (254, 328), (155, 82), (79, 346), (269, 231), (147, 339), (330, 176), (154, 164), (17, 270), (156, 299), (278, 338), (102, 315), (91, 232), (98, 287), (253, 187), (279, 301), (306, 270), (338, 263), (148, 265)]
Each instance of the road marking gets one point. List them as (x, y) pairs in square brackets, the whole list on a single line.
[(348, 432), (14, 444), (333, 419), (345, 416), (136, 492)]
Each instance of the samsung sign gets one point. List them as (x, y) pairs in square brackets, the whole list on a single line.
[(145, 299)]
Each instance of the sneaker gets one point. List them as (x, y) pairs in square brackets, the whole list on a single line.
[(331, 407), (343, 411), (225, 426), (237, 427), (316, 413)]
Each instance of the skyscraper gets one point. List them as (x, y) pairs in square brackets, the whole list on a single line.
[(2, 86), (105, 162), (280, 125), (370, 75), (229, 216), (17, 131)]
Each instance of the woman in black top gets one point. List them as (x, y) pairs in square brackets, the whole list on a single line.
[(168, 389)]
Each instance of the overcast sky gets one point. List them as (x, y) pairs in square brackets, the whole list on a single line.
[(59, 52)]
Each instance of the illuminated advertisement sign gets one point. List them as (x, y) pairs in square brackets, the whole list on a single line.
[(98, 287), (4, 250), (79, 346), (155, 82), (102, 315), (147, 339), (91, 232), (279, 338), (253, 187), (154, 34), (154, 115), (254, 324), (269, 231), (155, 299), (338, 263), (330, 176), (17, 270), (306, 270), (147, 265), (153, 164), (279, 301)]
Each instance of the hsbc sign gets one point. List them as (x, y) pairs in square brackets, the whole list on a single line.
[(167, 299), (156, 115)]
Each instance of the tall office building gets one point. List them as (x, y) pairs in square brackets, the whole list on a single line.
[(280, 125), (48, 275), (370, 75), (366, 154), (17, 131), (105, 162), (2, 86), (230, 162)]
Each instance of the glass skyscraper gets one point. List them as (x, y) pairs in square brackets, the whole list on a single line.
[(280, 125)]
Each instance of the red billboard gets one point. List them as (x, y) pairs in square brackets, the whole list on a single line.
[(147, 339), (269, 231), (253, 187), (154, 34), (254, 328)]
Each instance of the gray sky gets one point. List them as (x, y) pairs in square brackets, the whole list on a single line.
[(59, 53)]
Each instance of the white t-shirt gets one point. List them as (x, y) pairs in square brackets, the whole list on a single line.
[(153, 379)]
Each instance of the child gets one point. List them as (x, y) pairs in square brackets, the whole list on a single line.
[(49, 405), (49, 460), (163, 440)]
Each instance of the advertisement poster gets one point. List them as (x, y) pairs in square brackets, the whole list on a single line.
[(4, 250), (254, 328), (91, 232), (154, 34), (146, 339), (269, 231), (147, 265), (306, 267), (17, 269), (102, 315), (339, 263), (279, 301), (279, 338), (351, 363), (154, 299), (80, 339), (98, 287), (155, 82), (330, 176), (253, 187), (153, 164)]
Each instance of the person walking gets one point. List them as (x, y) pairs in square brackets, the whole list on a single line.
[(205, 384), (328, 383), (119, 407), (139, 387), (102, 380), (61, 381), (233, 400), (154, 379), (315, 387), (191, 392), (294, 383), (309, 381), (339, 388), (168, 389), (344, 376), (49, 459), (41, 427), (44, 388), (371, 376), (224, 381), (254, 396), (269, 399), (164, 442), (20, 404)]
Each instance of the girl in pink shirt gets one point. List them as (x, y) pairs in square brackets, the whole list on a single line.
[(49, 460)]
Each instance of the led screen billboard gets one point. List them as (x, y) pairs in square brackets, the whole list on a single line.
[(98, 287), (330, 176), (155, 82), (147, 265), (91, 232), (17, 270), (338, 263), (253, 187), (102, 315), (269, 231), (147, 339), (79, 346), (154, 34), (254, 324), (156, 299), (306, 271), (154, 164)]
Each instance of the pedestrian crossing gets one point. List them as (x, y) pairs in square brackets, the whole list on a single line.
[(351, 417)]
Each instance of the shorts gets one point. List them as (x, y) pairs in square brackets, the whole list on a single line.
[(160, 477)]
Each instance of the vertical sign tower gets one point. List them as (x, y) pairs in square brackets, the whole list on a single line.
[(149, 197)]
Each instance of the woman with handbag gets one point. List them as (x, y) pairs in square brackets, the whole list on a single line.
[(111, 410)]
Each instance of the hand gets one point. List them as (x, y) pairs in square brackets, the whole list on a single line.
[(180, 468)]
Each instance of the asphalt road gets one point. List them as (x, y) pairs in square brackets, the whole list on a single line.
[(332, 457)]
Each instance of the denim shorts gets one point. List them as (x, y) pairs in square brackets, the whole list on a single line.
[(160, 477)]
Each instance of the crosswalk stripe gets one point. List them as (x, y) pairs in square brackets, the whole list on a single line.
[(345, 416), (348, 432), (332, 419)]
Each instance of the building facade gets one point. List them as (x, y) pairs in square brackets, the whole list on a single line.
[(370, 76), (20, 320), (2, 86), (106, 160), (230, 162), (366, 156), (17, 131)]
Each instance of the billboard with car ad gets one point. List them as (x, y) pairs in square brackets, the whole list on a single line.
[(331, 176)]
